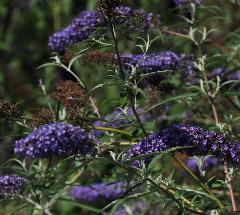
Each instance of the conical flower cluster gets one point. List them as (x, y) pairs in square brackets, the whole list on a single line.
[(55, 139), (193, 140)]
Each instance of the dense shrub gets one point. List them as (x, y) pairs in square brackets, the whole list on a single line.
[(136, 112)]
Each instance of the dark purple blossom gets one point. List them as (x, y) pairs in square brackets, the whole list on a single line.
[(10, 186), (153, 63), (82, 27), (153, 143), (207, 163), (196, 141), (98, 193), (57, 139), (223, 73), (226, 75), (234, 76), (218, 72)]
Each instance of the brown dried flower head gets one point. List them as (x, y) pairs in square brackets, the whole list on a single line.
[(45, 116), (9, 111), (105, 58), (70, 94), (74, 99), (106, 8), (79, 118)]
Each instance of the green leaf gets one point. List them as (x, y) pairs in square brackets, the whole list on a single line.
[(48, 65), (195, 192)]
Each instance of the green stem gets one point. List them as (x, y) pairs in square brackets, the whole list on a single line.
[(136, 114), (49, 163), (57, 111), (123, 76), (217, 122), (166, 191), (114, 130)]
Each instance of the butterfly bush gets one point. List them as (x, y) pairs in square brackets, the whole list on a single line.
[(80, 29), (148, 20), (153, 143), (55, 139), (98, 192), (199, 141), (86, 23), (11, 186), (150, 63), (172, 84), (225, 75), (158, 62)]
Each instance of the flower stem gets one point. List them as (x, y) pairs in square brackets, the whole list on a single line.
[(217, 122), (112, 130), (123, 76), (173, 33)]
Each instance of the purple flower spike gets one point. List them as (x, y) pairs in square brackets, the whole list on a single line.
[(97, 193), (153, 143), (151, 63), (80, 29), (125, 16), (57, 139), (199, 141), (10, 186)]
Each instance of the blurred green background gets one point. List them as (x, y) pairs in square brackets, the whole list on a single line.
[(25, 27)]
